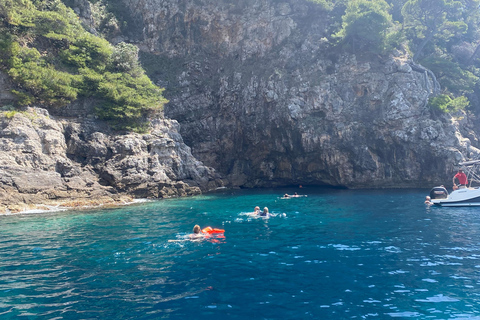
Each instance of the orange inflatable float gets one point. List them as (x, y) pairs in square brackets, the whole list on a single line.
[(210, 230)]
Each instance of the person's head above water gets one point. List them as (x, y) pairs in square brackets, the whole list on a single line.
[(196, 229)]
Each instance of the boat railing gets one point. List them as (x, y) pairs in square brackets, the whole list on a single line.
[(473, 178)]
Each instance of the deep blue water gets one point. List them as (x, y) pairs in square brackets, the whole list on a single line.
[(336, 254)]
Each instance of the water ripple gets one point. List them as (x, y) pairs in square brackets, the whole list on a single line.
[(336, 255)]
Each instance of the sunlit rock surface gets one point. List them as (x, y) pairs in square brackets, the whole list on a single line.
[(44, 159)]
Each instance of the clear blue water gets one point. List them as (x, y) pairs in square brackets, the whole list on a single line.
[(336, 254)]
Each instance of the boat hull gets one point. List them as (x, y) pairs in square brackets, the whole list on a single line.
[(468, 197)]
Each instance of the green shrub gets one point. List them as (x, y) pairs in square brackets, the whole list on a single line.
[(17, 12), (128, 98), (10, 114), (53, 25), (365, 25), (125, 59), (6, 43), (43, 81), (445, 104), (88, 51), (450, 75), (24, 98), (90, 81), (53, 60)]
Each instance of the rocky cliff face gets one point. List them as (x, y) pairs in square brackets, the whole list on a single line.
[(262, 97), (56, 161)]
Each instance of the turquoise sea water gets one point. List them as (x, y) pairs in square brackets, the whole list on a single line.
[(336, 254)]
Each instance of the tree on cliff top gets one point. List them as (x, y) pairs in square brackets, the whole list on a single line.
[(365, 25), (428, 19), (442, 36)]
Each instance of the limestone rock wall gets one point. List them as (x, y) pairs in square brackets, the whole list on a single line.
[(263, 98), (49, 160)]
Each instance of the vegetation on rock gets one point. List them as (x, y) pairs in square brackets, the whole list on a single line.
[(442, 35), (367, 25), (53, 61)]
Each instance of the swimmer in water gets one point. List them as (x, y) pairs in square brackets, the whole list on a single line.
[(427, 201), (295, 195), (197, 232), (197, 235), (256, 210), (265, 212)]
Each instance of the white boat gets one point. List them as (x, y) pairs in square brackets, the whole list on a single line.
[(463, 197)]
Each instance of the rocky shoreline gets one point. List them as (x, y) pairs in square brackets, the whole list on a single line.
[(49, 161), (64, 205)]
